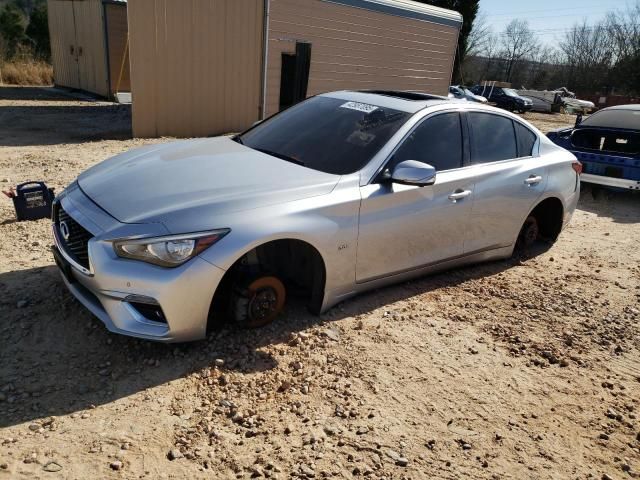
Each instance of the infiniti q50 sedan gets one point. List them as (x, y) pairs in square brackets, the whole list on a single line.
[(341, 193)]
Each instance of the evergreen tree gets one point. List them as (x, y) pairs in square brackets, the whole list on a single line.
[(11, 28), (38, 32)]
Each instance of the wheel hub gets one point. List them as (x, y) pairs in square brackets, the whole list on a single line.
[(265, 298), (263, 304), (530, 232)]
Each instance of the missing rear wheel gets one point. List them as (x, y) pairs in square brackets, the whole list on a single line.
[(529, 233)]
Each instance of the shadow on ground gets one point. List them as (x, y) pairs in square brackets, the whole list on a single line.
[(74, 121), (55, 358), (622, 206), (35, 93)]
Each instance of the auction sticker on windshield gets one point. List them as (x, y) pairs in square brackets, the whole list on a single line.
[(361, 107)]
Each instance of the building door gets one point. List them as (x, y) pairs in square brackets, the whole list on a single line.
[(64, 51), (90, 46), (294, 75)]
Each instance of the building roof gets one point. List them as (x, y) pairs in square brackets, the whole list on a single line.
[(400, 8), (407, 8)]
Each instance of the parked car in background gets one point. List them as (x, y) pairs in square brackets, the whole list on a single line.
[(560, 100), (463, 93), (608, 145), (342, 193), (506, 98)]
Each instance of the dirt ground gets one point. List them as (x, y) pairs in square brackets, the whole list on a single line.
[(520, 369)]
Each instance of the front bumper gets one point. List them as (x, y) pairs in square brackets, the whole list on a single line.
[(184, 293), (610, 181)]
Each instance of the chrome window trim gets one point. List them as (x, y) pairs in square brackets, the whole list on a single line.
[(370, 171)]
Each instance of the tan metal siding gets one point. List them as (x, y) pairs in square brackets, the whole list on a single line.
[(63, 40), (353, 48), (117, 31), (92, 59), (77, 44), (196, 65)]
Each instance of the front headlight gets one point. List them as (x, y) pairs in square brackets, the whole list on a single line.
[(170, 251)]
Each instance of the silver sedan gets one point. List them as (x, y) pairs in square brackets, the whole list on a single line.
[(344, 192)]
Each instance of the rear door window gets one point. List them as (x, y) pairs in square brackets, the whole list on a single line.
[(526, 140), (492, 138)]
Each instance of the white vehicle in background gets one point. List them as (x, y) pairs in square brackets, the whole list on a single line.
[(462, 93), (560, 100)]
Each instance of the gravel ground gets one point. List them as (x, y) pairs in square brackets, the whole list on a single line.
[(526, 368)]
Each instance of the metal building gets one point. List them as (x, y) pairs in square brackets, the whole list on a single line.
[(89, 47), (205, 67)]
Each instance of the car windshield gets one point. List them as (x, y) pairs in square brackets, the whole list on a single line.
[(468, 92), (510, 92), (326, 134), (614, 118)]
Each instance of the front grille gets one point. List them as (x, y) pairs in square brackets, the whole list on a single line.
[(76, 245)]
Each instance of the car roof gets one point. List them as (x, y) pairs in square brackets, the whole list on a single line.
[(633, 106), (403, 100), (620, 116)]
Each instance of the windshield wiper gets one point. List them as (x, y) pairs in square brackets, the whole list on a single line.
[(237, 139), (281, 156)]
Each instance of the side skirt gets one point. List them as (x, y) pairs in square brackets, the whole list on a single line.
[(478, 257)]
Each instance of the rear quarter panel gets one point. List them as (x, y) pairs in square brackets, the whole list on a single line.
[(563, 182)]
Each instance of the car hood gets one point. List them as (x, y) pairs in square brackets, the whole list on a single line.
[(168, 183)]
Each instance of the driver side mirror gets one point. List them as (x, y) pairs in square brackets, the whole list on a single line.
[(578, 120), (413, 172)]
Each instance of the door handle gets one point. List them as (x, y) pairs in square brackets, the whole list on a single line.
[(533, 180), (459, 195)]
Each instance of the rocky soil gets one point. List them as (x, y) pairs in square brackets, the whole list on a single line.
[(526, 368)]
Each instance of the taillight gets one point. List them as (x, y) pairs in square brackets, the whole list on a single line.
[(577, 166)]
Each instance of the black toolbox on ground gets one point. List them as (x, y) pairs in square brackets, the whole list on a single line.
[(33, 200)]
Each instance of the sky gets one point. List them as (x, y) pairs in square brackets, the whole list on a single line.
[(550, 19)]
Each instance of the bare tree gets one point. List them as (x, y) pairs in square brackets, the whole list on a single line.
[(623, 27), (479, 36), (588, 55), (537, 67), (477, 43), (518, 41), (601, 57)]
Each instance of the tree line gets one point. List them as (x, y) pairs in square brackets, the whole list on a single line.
[(603, 57)]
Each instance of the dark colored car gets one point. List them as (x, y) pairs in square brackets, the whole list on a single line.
[(506, 98), (608, 145)]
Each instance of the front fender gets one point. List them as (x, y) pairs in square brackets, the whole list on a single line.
[(328, 223)]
